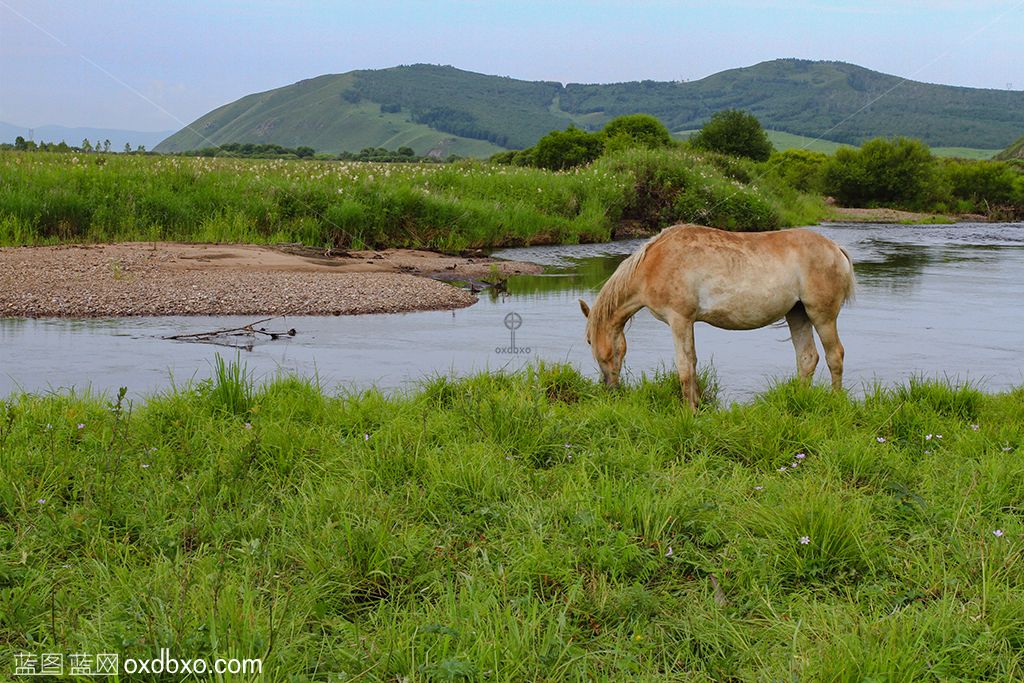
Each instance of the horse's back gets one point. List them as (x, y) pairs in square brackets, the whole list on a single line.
[(717, 273), (698, 245)]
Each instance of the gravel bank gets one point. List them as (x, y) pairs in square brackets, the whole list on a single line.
[(882, 215), (144, 279)]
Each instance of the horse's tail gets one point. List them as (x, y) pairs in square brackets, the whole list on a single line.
[(851, 279)]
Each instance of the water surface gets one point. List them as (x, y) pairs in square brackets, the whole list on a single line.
[(939, 301)]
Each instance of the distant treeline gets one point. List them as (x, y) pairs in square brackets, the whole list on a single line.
[(20, 144), (249, 150), (400, 155)]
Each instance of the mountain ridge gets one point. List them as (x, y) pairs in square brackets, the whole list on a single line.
[(431, 107), (1014, 151)]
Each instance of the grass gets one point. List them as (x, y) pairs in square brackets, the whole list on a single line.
[(965, 153), (48, 198), (520, 527), (782, 141)]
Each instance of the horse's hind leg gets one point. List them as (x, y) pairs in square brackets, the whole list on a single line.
[(834, 352), (686, 359), (803, 342)]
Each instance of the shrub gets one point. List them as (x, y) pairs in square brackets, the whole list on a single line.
[(636, 130), (801, 169), (981, 183), (677, 186), (506, 157), (566, 148), (884, 172), (736, 133)]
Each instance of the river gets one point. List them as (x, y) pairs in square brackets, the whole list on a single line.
[(942, 301)]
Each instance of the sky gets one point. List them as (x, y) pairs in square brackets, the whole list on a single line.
[(159, 65)]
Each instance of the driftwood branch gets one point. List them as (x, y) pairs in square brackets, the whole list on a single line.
[(216, 336)]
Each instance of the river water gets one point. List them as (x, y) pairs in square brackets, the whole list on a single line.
[(936, 301)]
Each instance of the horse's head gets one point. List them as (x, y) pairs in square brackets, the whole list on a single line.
[(608, 344)]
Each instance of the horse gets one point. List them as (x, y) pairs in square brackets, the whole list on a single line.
[(734, 281)]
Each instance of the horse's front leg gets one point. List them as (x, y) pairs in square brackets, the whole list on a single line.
[(686, 359)]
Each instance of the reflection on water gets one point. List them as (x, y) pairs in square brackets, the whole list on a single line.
[(934, 300), (900, 266), (580, 274)]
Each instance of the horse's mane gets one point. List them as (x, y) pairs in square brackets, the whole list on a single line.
[(619, 286)]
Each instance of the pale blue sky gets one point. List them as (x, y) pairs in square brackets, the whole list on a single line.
[(157, 65)]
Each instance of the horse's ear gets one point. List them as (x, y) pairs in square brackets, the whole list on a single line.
[(585, 308)]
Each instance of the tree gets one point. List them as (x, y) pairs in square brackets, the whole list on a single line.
[(736, 133), (567, 148), (127, 148), (304, 152), (637, 130), (106, 145), (86, 145), (19, 143)]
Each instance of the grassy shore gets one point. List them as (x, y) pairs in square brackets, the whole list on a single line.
[(48, 198), (524, 527)]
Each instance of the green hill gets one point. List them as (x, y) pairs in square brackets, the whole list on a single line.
[(1014, 151), (317, 113), (445, 110)]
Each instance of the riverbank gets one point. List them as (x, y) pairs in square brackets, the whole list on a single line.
[(521, 527), (160, 278)]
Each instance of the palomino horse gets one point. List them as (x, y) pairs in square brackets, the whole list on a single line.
[(736, 281)]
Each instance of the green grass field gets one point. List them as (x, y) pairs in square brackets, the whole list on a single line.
[(965, 153), (783, 141), (526, 527), (49, 198)]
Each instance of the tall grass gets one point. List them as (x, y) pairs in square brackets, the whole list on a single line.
[(49, 198), (520, 527), (231, 388)]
